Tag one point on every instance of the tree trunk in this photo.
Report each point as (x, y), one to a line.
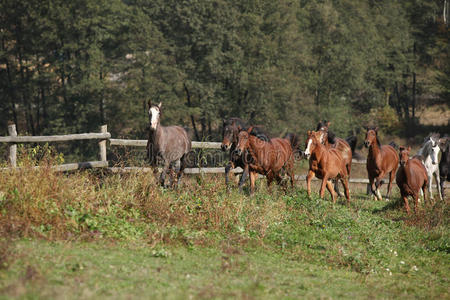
(188, 98)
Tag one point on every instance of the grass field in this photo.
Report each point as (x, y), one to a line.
(94, 235)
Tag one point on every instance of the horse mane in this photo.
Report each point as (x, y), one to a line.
(237, 121)
(394, 145)
(257, 131)
(321, 124)
(331, 137)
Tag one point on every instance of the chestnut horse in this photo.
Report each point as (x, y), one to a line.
(411, 177)
(267, 158)
(345, 147)
(381, 160)
(325, 163)
(230, 131)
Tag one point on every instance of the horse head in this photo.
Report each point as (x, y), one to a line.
(444, 143)
(323, 125)
(311, 142)
(434, 144)
(154, 114)
(431, 147)
(371, 136)
(243, 140)
(404, 154)
(230, 131)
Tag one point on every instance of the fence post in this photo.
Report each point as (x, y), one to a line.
(102, 143)
(13, 147)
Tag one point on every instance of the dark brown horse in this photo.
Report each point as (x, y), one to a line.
(444, 164)
(411, 177)
(381, 160)
(345, 147)
(168, 145)
(267, 157)
(325, 163)
(230, 131)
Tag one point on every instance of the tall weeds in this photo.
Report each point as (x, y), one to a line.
(89, 204)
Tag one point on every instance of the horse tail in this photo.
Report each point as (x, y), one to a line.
(393, 145)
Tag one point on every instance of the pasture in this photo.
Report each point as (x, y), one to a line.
(93, 234)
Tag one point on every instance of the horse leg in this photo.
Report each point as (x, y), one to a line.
(336, 188)
(442, 181)
(322, 187)
(181, 169)
(331, 190)
(292, 177)
(438, 183)
(227, 173)
(378, 189)
(422, 191)
(252, 181)
(346, 189)
(372, 187)
(243, 177)
(405, 199)
(162, 177)
(430, 184)
(308, 182)
(391, 179)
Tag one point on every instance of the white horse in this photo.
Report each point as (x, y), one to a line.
(429, 155)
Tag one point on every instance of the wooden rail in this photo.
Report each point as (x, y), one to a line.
(143, 143)
(104, 135)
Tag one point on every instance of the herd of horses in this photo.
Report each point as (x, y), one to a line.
(330, 158)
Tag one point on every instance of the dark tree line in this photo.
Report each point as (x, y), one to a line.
(70, 66)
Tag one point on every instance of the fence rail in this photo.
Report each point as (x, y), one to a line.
(13, 139)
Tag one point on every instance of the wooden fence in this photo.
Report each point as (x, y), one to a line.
(103, 136)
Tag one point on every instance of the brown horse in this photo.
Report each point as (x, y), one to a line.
(326, 164)
(381, 160)
(411, 177)
(230, 132)
(343, 146)
(267, 158)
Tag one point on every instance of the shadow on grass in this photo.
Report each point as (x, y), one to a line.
(392, 206)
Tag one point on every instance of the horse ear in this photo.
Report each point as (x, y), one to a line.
(249, 130)
(376, 129)
(328, 123)
(308, 133)
(149, 103)
(159, 105)
(409, 148)
(239, 127)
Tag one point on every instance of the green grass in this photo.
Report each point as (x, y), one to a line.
(90, 235)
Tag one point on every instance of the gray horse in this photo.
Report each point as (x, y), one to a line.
(168, 145)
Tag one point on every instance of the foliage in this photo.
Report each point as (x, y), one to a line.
(285, 64)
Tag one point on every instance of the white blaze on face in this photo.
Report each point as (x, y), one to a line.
(434, 151)
(154, 112)
(308, 148)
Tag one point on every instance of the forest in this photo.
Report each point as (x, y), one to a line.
(71, 66)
